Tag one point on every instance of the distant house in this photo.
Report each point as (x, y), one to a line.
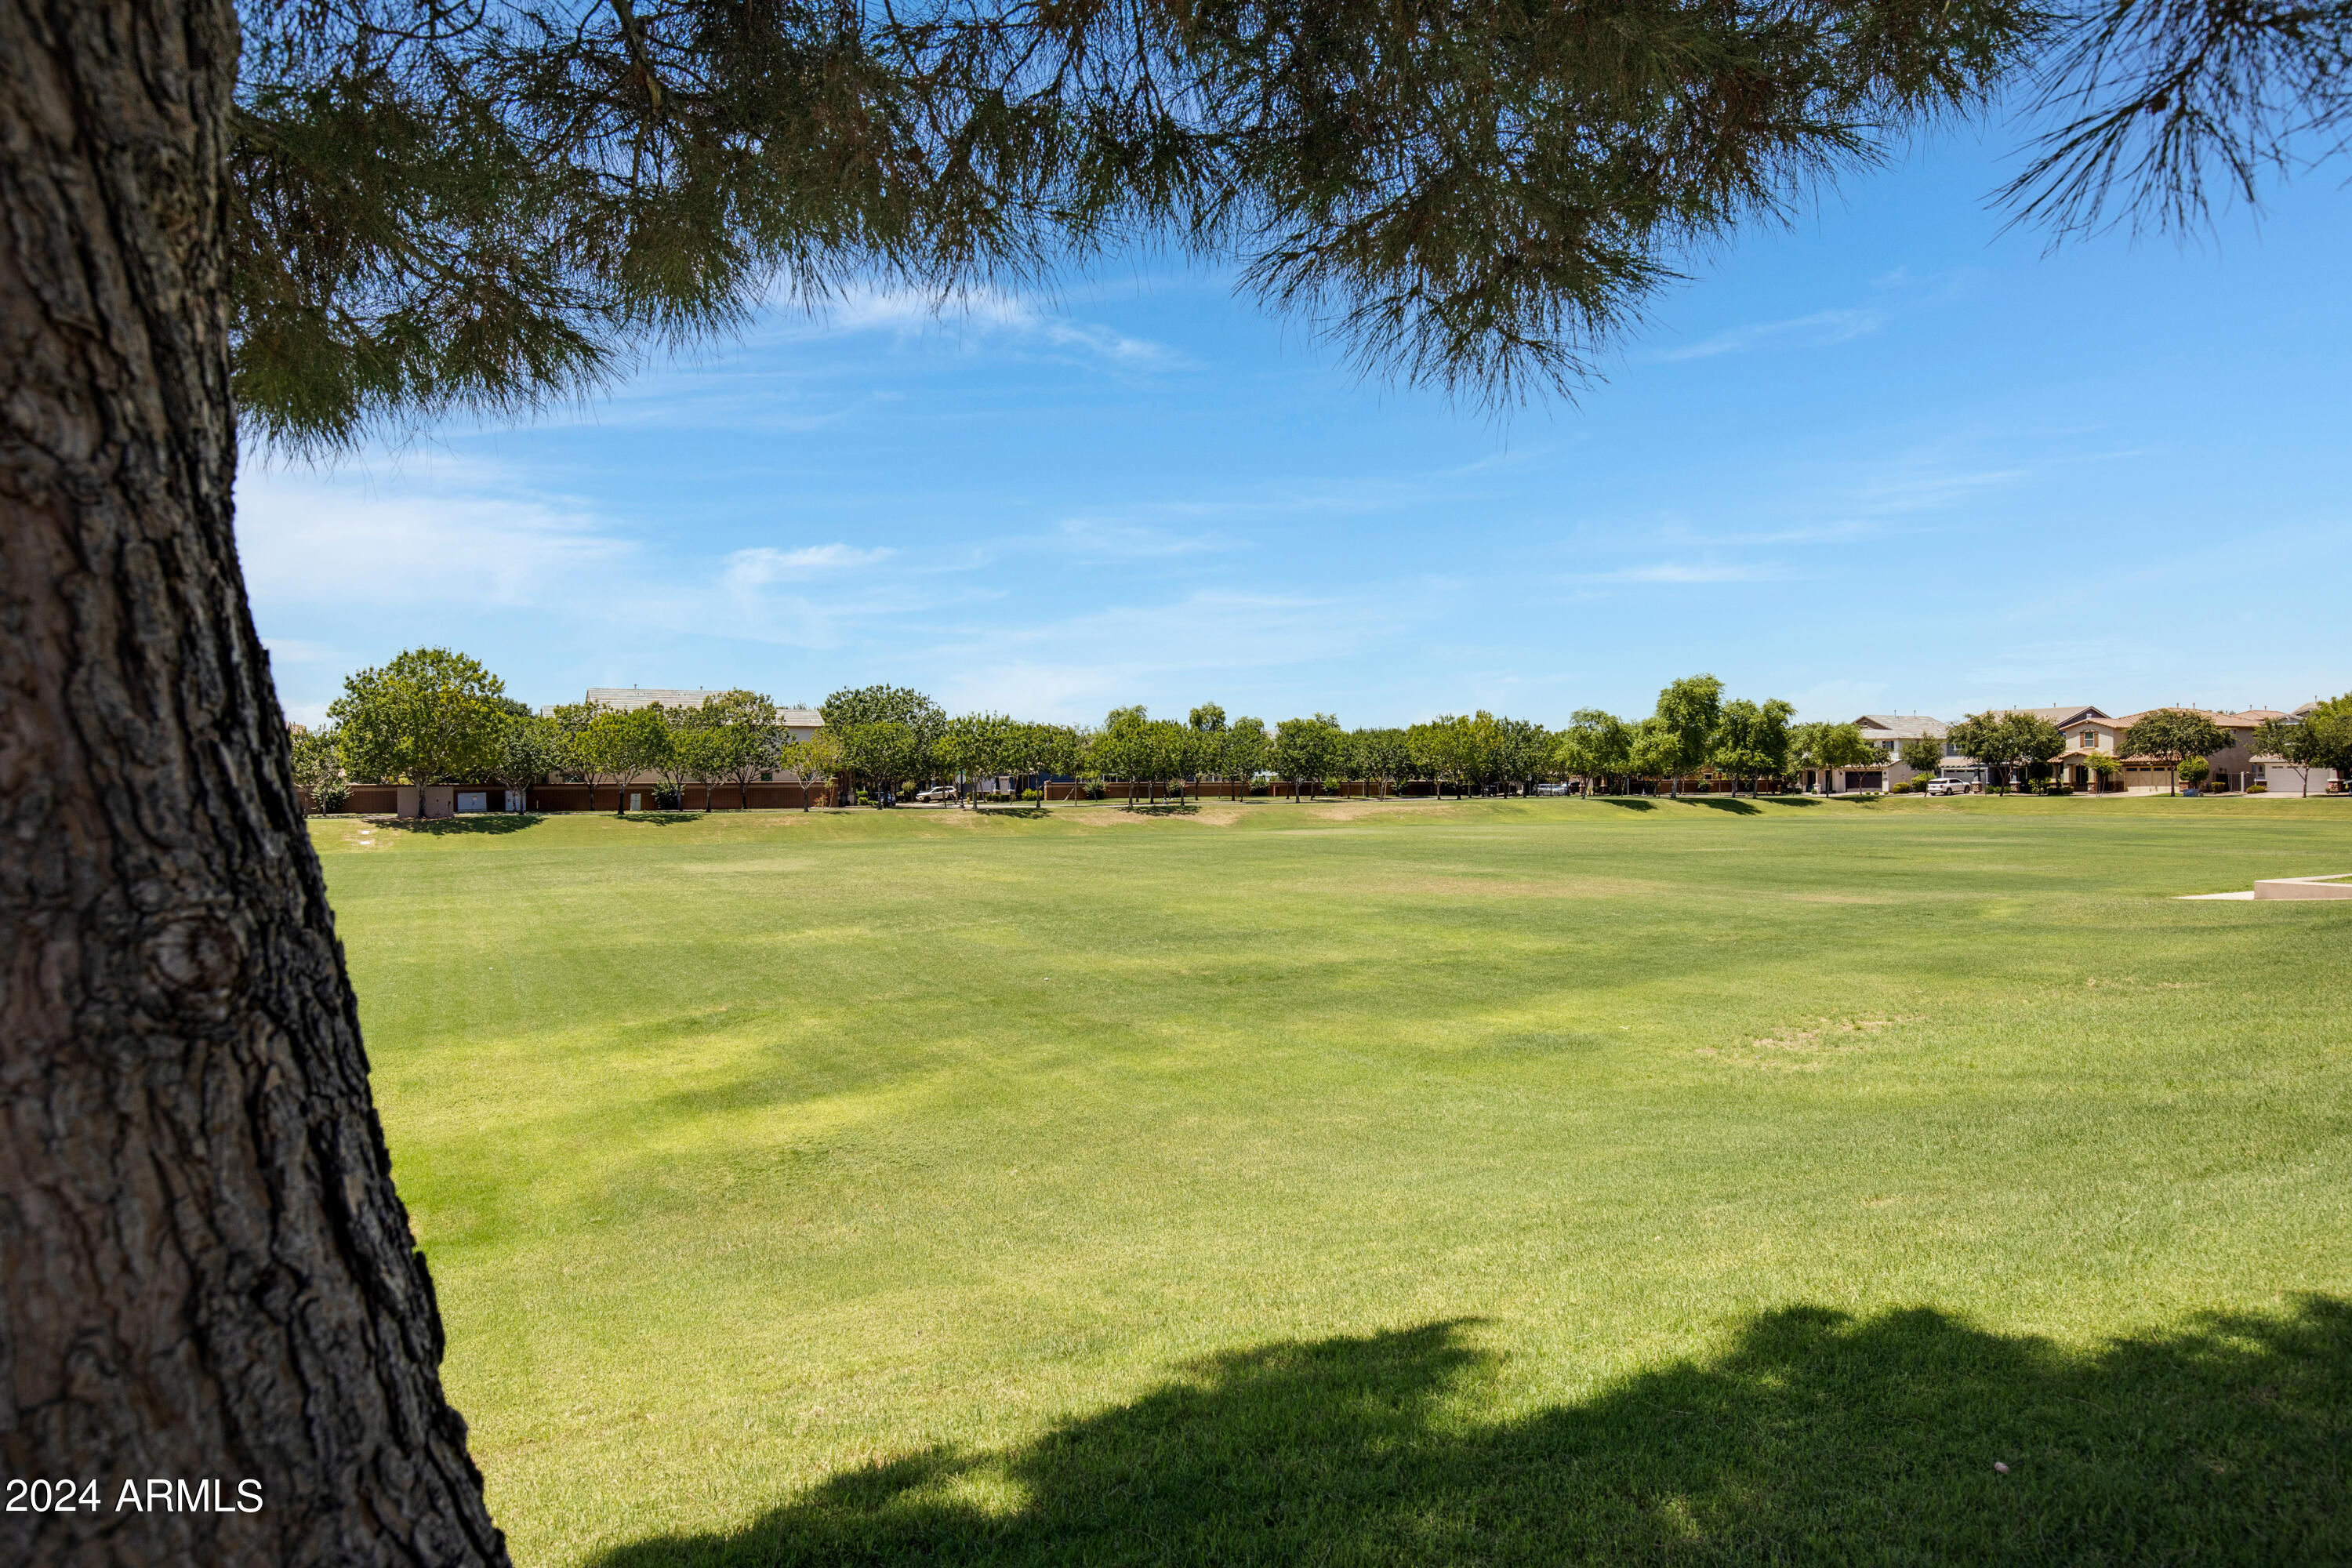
(1970, 770)
(1888, 734)
(799, 722)
(2279, 776)
(783, 787)
(2234, 767)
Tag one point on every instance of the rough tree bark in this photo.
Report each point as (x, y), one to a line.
(204, 1273)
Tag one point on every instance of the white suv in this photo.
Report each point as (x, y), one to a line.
(1949, 786)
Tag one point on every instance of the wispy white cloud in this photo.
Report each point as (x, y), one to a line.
(1074, 667)
(985, 313)
(1843, 532)
(443, 534)
(1819, 330)
(1683, 573)
(762, 565)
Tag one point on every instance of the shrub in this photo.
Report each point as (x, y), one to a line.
(1028, 794)
(2193, 769)
(2258, 789)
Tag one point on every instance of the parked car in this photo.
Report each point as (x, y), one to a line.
(1553, 789)
(933, 796)
(1950, 786)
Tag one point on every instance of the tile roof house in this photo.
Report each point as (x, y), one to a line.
(802, 722)
(2234, 765)
(2283, 777)
(1890, 732)
(785, 787)
(1973, 770)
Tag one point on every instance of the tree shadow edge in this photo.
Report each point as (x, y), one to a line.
(1811, 1436)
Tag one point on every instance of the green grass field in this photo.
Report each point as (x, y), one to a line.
(1499, 1183)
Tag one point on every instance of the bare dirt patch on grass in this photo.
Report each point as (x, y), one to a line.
(1506, 888)
(1804, 1050)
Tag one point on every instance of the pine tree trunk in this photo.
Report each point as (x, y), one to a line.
(204, 1273)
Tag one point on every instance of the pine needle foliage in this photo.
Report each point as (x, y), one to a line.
(477, 206)
(2170, 107)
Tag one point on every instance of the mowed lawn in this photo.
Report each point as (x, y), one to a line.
(1517, 1181)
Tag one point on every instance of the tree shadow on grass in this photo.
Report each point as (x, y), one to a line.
(1629, 802)
(1019, 811)
(1732, 803)
(1815, 1437)
(662, 818)
(471, 823)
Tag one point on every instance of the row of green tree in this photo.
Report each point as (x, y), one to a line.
(432, 715)
(2020, 745)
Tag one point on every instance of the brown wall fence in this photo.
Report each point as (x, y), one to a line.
(384, 799)
(372, 800)
(1210, 789)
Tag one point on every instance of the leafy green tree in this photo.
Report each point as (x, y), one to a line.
(923, 718)
(1382, 756)
(1827, 747)
(318, 769)
(680, 757)
(1690, 709)
(975, 746)
(2006, 742)
(1454, 746)
(2170, 735)
(1520, 751)
(881, 754)
(1116, 750)
(2318, 738)
(2194, 770)
(1751, 739)
(1595, 746)
(624, 744)
(738, 738)
(817, 759)
(1923, 754)
(2031, 741)
(1046, 750)
(698, 753)
(1245, 752)
(2104, 766)
(574, 717)
(529, 748)
(1163, 750)
(1656, 751)
(1198, 753)
(1204, 753)
(428, 715)
(1979, 735)
(2330, 726)
(1303, 751)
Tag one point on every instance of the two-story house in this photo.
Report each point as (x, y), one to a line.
(2279, 777)
(1971, 770)
(1888, 734)
(2094, 735)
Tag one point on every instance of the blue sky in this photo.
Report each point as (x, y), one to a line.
(1889, 459)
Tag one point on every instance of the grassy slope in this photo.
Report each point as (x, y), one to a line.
(1414, 1183)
